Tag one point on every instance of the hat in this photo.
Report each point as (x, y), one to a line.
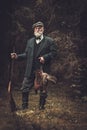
(38, 24)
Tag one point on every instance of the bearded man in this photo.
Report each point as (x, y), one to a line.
(40, 50)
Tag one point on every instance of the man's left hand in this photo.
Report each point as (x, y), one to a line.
(42, 60)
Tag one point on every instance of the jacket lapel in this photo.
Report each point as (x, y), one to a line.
(32, 46)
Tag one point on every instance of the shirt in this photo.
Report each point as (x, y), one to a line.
(38, 40)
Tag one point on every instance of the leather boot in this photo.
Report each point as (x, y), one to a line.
(25, 96)
(42, 100)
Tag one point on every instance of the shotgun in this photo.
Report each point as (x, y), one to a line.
(11, 99)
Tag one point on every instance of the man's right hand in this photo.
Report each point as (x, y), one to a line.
(14, 56)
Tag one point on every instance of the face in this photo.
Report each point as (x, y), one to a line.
(38, 31)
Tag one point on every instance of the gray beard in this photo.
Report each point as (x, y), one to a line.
(37, 35)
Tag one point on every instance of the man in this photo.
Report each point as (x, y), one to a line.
(40, 50)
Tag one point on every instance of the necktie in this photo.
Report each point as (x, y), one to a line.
(38, 38)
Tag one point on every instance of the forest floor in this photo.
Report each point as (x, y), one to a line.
(62, 112)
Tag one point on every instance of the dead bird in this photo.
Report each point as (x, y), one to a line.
(42, 78)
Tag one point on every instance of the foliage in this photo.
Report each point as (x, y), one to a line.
(63, 22)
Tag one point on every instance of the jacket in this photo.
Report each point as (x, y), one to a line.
(47, 49)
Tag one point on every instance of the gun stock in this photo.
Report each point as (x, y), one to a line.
(11, 99)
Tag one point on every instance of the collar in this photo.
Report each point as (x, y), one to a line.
(41, 37)
(38, 40)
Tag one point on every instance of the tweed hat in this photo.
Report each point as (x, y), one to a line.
(38, 24)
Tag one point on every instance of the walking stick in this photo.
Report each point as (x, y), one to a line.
(11, 99)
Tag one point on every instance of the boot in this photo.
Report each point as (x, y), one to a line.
(25, 100)
(42, 101)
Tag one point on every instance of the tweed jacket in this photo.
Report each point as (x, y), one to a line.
(47, 49)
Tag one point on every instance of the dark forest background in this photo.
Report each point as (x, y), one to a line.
(65, 22)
